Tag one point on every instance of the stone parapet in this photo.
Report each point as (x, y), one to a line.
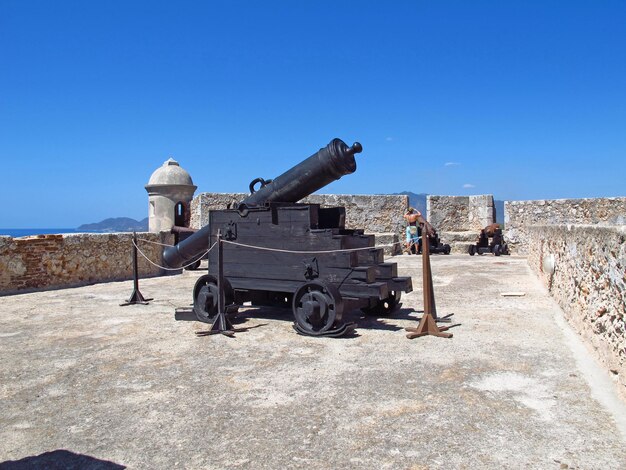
(372, 213)
(583, 267)
(460, 213)
(389, 242)
(519, 215)
(205, 202)
(459, 241)
(68, 260)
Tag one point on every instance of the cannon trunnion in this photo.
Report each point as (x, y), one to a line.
(299, 256)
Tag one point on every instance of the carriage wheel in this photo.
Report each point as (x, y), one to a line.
(317, 307)
(496, 250)
(384, 307)
(205, 297)
(471, 250)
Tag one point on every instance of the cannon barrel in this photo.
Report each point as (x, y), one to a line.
(320, 169)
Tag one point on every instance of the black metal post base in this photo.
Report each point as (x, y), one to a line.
(221, 325)
(136, 298)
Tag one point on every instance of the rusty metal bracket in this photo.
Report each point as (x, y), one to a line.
(311, 269)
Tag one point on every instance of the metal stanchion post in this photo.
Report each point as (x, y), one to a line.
(221, 324)
(428, 322)
(135, 297)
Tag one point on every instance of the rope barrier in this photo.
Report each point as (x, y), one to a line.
(172, 269)
(150, 241)
(279, 250)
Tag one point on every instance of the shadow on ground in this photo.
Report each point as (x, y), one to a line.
(60, 459)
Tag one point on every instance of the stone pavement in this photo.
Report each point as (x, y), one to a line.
(103, 386)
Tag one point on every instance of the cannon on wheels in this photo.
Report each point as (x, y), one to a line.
(435, 245)
(281, 253)
(490, 240)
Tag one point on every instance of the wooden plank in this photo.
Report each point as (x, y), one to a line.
(400, 284)
(356, 241)
(386, 270)
(264, 284)
(370, 257)
(378, 290)
(297, 272)
(240, 254)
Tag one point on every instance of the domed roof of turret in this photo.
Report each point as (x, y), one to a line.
(170, 173)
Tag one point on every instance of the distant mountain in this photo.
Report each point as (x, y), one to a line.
(116, 224)
(419, 202)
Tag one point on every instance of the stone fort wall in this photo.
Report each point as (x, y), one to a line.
(584, 269)
(459, 219)
(69, 260)
(520, 215)
(381, 215)
(461, 213)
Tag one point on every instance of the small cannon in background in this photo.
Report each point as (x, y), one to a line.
(497, 245)
(435, 244)
(280, 253)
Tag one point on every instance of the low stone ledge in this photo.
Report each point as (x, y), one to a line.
(459, 241)
(390, 243)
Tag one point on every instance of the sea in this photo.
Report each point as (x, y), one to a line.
(25, 232)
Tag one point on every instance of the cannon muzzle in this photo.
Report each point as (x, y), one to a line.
(327, 165)
(320, 169)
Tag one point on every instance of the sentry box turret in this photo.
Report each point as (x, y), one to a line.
(277, 252)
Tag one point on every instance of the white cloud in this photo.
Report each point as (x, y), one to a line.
(468, 186)
(452, 164)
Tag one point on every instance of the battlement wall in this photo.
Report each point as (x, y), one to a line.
(461, 213)
(584, 269)
(376, 214)
(520, 215)
(459, 219)
(69, 260)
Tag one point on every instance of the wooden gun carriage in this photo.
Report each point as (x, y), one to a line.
(278, 252)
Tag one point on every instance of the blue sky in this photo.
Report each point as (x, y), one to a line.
(522, 100)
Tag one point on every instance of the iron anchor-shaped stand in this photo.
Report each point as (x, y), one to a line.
(428, 322)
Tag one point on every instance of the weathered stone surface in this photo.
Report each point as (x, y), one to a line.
(459, 241)
(373, 213)
(205, 202)
(519, 215)
(169, 186)
(460, 213)
(389, 242)
(584, 268)
(135, 387)
(53, 261)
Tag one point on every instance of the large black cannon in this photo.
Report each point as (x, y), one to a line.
(277, 252)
